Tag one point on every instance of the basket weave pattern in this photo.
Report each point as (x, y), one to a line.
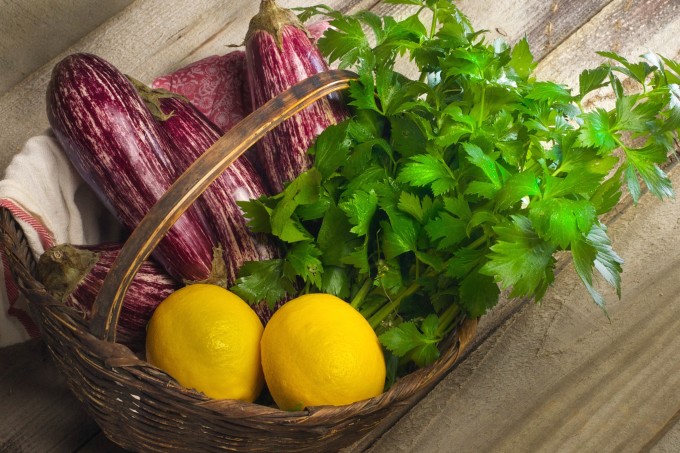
(141, 408)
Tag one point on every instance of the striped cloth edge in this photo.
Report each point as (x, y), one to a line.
(47, 240)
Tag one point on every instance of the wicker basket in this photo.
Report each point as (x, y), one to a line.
(140, 407)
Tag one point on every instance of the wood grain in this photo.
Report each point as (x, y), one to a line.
(630, 28)
(39, 413)
(555, 377)
(560, 376)
(545, 23)
(34, 32)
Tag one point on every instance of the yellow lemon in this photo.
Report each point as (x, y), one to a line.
(318, 350)
(208, 339)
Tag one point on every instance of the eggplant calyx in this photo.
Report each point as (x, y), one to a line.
(152, 98)
(62, 267)
(273, 19)
(218, 274)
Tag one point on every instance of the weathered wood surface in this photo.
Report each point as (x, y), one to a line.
(39, 413)
(560, 376)
(555, 377)
(34, 32)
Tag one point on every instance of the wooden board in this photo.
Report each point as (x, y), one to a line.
(39, 413)
(555, 377)
(561, 376)
(51, 29)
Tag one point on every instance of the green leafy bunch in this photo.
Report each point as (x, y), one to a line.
(441, 191)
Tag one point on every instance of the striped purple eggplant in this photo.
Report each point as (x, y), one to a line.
(74, 275)
(115, 144)
(191, 134)
(280, 53)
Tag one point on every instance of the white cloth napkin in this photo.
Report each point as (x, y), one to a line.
(52, 205)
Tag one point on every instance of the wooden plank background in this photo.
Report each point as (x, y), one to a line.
(554, 377)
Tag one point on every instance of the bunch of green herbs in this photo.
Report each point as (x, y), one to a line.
(438, 193)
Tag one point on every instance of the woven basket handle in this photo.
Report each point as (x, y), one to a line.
(193, 182)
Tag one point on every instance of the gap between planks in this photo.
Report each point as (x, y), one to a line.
(479, 20)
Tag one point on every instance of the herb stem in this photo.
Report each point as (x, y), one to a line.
(361, 294)
(481, 107)
(478, 242)
(580, 105)
(446, 320)
(433, 30)
(620, 143)
(392, 305)
(367, 312)
(433, 27)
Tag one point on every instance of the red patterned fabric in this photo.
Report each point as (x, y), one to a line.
(215, 85)
(11, 288)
